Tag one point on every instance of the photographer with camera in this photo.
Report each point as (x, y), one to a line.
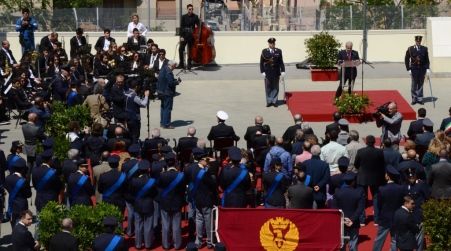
(26, 25)
(166, 91)
(388, 117)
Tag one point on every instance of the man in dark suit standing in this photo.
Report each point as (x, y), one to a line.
(345, 56)
(187, 24)
(290, 133)
(390, 198)
(300, 194)
(76, 43)
(272, 67)
(319, 173)
(32, 135)
(22, 239)
(369, 162)
(417, 64)
(64, 240)
(6, 55)
(427, 135)
(135, 42)
(166, 90)
(440, 177)
(416, 126)
(221, 130)
(160, 62)
(404, 226)
(103, 42)
(252, 130)
(351, 200)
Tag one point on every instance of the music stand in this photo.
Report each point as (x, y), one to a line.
(368, 63)
(348, 64)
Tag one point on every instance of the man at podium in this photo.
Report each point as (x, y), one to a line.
(346, 59)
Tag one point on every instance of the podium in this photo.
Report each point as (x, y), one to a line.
(348, 64)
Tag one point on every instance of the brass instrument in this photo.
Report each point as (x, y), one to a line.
(112, 63)
(7, 69)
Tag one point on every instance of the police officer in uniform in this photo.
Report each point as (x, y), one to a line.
(234, 196)
(351, 200)
(144, 191)
(46, 181)
(276, 184)
(108, 240)
(79, 187)
(272, 67)
(187, 24)
(130, 168)
(171, 199)
(417, 64)
(18, 191)
(112, 184)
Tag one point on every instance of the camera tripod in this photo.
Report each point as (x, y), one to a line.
(185, 69)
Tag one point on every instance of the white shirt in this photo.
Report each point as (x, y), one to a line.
(160, 64)
(142, 29)
(106, 45)
(152, 59)
(331, 153)
(9, 56)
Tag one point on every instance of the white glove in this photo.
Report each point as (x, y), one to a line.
(264, 74)
(283, 74)
(428, 72)
(410, 72)
(106, 81)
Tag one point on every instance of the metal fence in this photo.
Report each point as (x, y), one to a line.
(241, 16)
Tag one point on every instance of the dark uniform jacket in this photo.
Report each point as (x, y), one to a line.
(187, 25)
(63, 241)
(50, 190)
(174, 199)
(22, 239)
(106, 181)
(143, 205)
(405, 229)
(411, 164)
(250, 134)
(390, 198)
(370, 163)
(206, 195)
(272, 63)
(335, 182)
(300, 196)
(221, 130)
(423, 139)
(420, 192)
(20, 203)
(59, 88)
(127, 166)
(417, 60)
(351, 201)
(277, 198)
(415, 127)
(83, 197)
(319, 176)
(237, 197)
(102, 241)
(186, 143)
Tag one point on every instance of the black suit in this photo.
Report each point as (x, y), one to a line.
(59, 88)
(352, 201)
(423, 139)
(156, 65)
(22, 239)
(250, 134)
(350, 72)
(390, 198)
(300, 196)
(75, 46)
(4, 57)
(135, 46)
(186, 143)
(221, 130)
(46, 44)
(444, 123)
(370, 163)
(440, 180)
(101, 41)
(405, 228)
(415, 127)
(187, 25)
(290, 133)
(63, 241)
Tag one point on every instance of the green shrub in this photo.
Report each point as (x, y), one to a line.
(322, 49)
(87, 221)
(352, 103)
(437, 224)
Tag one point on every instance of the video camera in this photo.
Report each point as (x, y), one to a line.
(382, 109)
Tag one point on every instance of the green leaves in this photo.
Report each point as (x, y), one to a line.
(322, 49)
(352, 103)
(437, 224)
(87, 221)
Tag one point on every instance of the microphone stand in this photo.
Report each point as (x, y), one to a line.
(368, 63)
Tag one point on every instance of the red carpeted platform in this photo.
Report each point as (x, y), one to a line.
(317, 106)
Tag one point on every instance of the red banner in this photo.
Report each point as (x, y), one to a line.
(279, 229)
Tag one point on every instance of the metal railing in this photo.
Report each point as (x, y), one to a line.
(242, 16)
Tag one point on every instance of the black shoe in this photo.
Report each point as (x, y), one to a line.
(275, 104)
(413, 102)
(179, 67)
(421, 102)
(268, 105)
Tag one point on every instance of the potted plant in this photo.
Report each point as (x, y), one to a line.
(437, 224)
(353, 106)
(322, 50)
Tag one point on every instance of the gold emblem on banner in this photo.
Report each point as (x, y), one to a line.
(279, 234)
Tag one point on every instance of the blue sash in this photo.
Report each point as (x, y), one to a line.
(172, 185)
(145, 188)
(12, 160)
(113, 243)
(234, 184)
(114, 187)
(49, 174)
(307, 180)
(275, 183)
(12, 196)
(193, 186)
(77, 187)
(132, 170)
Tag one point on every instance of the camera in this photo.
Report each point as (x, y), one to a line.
(382, 109)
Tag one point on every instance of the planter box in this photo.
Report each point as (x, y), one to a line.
(324, 74)
(358, 118)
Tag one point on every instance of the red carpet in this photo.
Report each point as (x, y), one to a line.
(317, 106)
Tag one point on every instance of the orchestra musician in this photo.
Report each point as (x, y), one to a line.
(187, 24)
(76, 43)
(135, 42)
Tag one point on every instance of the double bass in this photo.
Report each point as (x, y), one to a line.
(203, 49)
